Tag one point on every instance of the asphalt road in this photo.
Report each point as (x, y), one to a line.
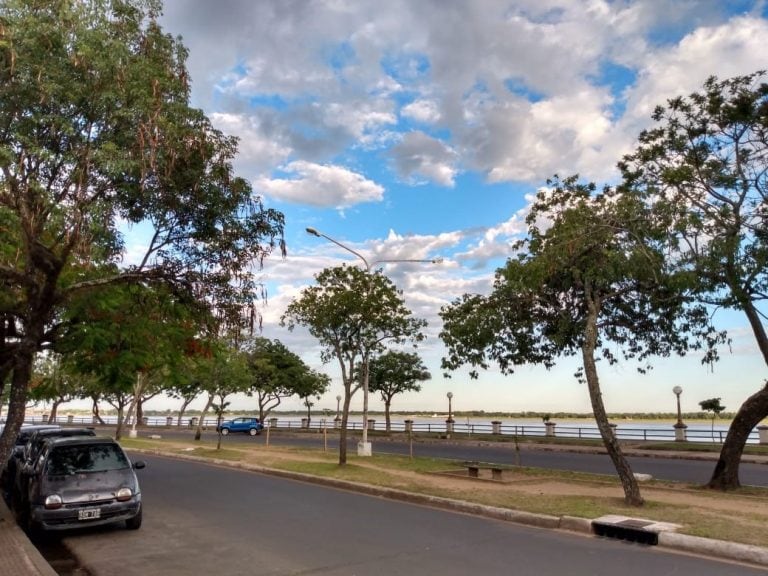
(205, 520)
(681, 470)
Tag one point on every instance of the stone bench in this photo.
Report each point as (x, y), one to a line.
(497, 470)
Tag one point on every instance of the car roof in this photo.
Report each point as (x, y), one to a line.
(79, 440)
(47, 433)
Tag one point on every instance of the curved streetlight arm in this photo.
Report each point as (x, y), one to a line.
(416, 260)
(319, 234)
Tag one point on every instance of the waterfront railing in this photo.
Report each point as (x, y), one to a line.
(657, 433)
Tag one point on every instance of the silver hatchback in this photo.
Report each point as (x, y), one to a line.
(82, 481)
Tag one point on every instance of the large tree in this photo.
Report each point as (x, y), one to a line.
(706, 164)
(96, 134)
(589, 280)
(353, 313)
(276, 373)
(396, 372)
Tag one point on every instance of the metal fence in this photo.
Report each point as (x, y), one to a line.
(587, 432)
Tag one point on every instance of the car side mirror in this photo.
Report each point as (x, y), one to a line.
(139, 464)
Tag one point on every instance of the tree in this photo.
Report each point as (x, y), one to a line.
(395, 373)
(353, 314)
(712, 405)
(131, 337)
(223, 373)
(312, 383)
(588, 280)
(706, 165)
(276, 373)
(53, 382)
(97, 135)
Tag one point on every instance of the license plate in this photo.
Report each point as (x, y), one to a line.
(89, 514)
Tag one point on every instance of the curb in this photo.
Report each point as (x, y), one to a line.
(19, 556)
(716, 549)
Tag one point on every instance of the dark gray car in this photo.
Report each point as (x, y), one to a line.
(82, 481)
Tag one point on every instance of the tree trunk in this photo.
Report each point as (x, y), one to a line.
(726, 473)
(183, 409)
(17, 403)
(95, 411)
(631, 487)
(54, 411)
(199, 429)
(387, 404)
(343, 431)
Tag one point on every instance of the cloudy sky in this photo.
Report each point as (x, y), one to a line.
(416, 129)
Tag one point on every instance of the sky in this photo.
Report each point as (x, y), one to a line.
(421, 129)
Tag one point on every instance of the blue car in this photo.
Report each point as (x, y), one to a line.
(248, 425)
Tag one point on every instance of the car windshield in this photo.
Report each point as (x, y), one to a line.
(66, 460)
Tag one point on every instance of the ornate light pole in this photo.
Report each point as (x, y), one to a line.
(338, 402)
(680, 435)
(449, 421)
(364, 447)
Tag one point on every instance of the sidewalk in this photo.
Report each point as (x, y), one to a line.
(18, 557)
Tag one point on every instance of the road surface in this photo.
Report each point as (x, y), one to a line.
(206, 520)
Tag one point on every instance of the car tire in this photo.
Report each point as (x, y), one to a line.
(224, 431)
(253, 431)
(135, 522)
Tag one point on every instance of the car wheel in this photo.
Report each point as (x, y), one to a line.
(135, 522)
(224, 431)
(253, 431)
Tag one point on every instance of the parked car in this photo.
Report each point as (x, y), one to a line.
(82, 481)
(9, 468)
(19, 487)
(248, 425)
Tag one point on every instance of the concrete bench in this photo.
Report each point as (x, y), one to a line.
(497, 470)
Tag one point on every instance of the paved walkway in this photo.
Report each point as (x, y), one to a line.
(18, 557)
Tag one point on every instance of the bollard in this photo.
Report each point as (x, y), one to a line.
(496, 424)
(371, 424)
(305, 422)
(193, 421)
(273, 422)
(409, 426)
(70, 418)
(169, 421)
(550, 428)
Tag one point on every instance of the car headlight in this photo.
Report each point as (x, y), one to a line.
(53, 502)
(124, 494)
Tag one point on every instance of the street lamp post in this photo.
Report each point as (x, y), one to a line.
(449, 421)
(680, 435)
(364, 447)
(338, 414)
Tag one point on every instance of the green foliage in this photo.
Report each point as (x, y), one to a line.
(713, 406)
(277, 373)
(353, 313)
(705, 166)
(584, 251)
(98, 135)
(396, 372)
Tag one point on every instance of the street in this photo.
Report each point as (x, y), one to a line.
(675, 469)
(202, 519)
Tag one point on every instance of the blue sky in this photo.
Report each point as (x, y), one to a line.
(421, 129)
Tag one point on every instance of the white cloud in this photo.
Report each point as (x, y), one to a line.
(421, 156)
(321, 185)
(261, 145)
(424, 111)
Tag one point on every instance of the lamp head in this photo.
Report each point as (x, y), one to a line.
(677, 390)
(313, 232)
(450, 395)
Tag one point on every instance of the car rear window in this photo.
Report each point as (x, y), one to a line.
(66, 460)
